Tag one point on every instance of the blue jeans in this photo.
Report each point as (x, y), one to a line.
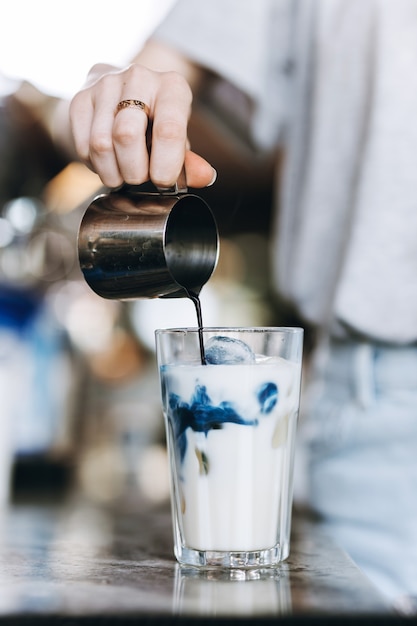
(361, 435)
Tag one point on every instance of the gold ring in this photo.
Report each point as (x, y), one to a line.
(133, 104)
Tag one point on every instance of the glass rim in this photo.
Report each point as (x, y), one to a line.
(231, 329)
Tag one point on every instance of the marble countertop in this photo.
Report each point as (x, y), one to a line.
(74, 562)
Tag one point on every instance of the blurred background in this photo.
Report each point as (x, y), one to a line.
(80, 404)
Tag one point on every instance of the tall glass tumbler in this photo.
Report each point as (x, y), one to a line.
(231, 398)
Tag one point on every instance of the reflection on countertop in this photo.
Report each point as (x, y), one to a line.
(77, 560)
(260, 592)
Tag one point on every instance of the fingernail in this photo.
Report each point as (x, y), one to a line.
(214, 178)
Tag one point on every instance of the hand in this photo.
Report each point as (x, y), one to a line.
(116, 144)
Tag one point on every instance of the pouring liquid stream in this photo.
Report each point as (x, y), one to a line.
(196, 300)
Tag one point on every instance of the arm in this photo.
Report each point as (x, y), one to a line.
(114, 144)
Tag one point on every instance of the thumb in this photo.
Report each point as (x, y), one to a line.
(199, 172)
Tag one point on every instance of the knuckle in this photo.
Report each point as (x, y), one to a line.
(107, 82)
(137, 75)
(100, 143)
(95, 72)
(124, 134)
(169, 130)
(177, 82)
(135, 70)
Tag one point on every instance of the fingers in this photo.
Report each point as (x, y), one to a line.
(114, 143)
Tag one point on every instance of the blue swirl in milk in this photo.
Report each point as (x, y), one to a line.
(267, 397)
(202, 416)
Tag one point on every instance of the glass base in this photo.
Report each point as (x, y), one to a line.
(230, 560)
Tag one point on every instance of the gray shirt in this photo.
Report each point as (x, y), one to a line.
(335, 83)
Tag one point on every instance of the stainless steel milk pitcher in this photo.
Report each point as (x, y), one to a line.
(136, 244)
